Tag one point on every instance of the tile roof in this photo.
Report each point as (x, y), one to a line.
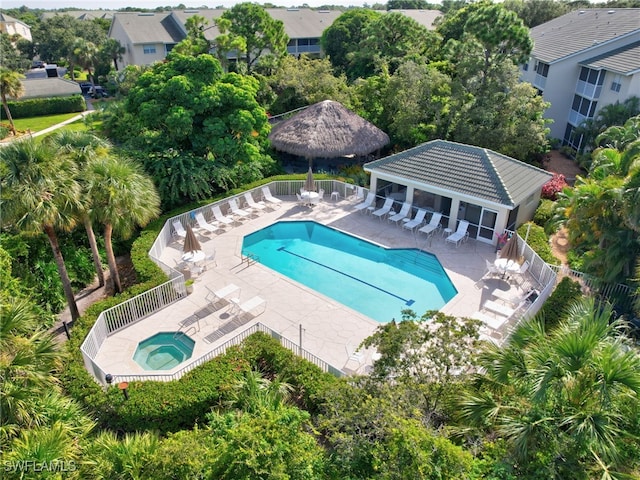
(148, 27)
(49, 87)
(425, 18)
(624, 60)
(582, 29)
(473, 171)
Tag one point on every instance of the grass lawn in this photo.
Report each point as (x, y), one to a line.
(35, 124)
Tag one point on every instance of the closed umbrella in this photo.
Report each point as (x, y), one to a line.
(510, 249)
(309, 183)
(191, 243)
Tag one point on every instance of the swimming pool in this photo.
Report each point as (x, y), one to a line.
(376, 281)
(164, 350)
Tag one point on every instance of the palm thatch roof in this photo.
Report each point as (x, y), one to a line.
(327, 130)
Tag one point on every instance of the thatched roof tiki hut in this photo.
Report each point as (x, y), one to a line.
(327, 130)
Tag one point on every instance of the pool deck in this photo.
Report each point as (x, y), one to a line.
(330, 330)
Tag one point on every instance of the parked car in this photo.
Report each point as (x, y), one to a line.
(86, 88)
(38, 64)
(99, 92)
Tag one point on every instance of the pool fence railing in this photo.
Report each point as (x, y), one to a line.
(154, 300)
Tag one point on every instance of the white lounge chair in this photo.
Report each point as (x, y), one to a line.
(386, 208)
(251, 308)
(257, 206)
(492, 322)
(460, 235)
(404, 212)
(217, 213)
(179, 229)
(499, 308)
(214, 297)
(266, 196)
(433, 225)
(204, 225)
(417, 219)
(236, 210)
(367, 202)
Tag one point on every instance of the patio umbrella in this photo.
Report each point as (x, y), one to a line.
(309, 183)
(510, 249)
(191, 243)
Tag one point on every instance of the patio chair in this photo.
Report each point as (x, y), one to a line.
(523, 269)
(367, 203)
(492, 270)
(433, 225)
(179, 229)
(417, 220)
(249, 309)
(266, 196)
(301, 201)
(402, 214)
(204, 225)
(236, 210)
(386, 208)
(214, 298)
(460, 235)
(257, 206)
(499, 308)
(217, 213)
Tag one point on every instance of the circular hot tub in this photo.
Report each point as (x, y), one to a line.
(164, 351)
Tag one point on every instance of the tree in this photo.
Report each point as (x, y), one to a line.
(261, 35)
(86, 54)
(29, 355)
(562, 399)
(197, 130)
(393, 38)
(537, 12)
(341, 40)
(195, 43)
(305, 81)
(123, 198)
(113, 50)
(10, 85)
(83, 146)
(39, 193)
(429, 354)
(12, 56)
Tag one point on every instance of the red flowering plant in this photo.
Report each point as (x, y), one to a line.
(554, 186)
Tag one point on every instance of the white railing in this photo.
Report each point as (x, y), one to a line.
(221, 349)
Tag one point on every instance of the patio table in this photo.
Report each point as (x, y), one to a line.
(506, 265)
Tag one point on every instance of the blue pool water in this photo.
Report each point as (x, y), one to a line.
(163, 351)
(376, 281)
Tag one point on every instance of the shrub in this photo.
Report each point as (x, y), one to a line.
(554, 186)
(38, 107)
(4, 130)
(544, 213)
(538, 241)
(565, 293)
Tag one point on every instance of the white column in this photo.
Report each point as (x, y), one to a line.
(453, 216)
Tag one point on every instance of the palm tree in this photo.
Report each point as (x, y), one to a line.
(254, 393)
(28, 356)
(10, 85)
(112, 48)
(561, 392)
(86, 54)
(83, 146)
(39, 193)
(123, 199)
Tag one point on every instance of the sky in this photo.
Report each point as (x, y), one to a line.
(151, 4)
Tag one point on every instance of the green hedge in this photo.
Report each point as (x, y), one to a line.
(538, 241)
(38, 107)
(565, 293)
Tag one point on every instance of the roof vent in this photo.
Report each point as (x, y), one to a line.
(324, 11)
(293, 9)
(611, 12)
(580, 12)
(145, 14)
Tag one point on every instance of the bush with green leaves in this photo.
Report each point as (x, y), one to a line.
(538, 240)
(543, 215)
(37, 107)
(555, 308)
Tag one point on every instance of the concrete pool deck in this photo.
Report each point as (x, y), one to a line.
(330, 330)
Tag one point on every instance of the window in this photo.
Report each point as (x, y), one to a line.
(542, 69)
(148, 49)
(525, 67)
(616, 84)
